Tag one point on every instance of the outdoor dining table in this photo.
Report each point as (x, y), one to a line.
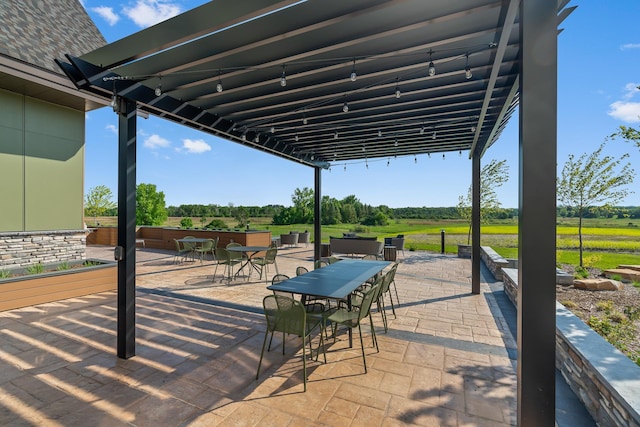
(250, 252)
(335, 281)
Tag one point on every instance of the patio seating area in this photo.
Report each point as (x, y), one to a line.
(448, 358)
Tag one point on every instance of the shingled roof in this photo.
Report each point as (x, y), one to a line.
(38, 32)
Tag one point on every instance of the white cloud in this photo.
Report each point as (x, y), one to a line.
(156, 141)
(149, 12)
(631, 90)
(195, 146)
(112, 128)
(626, 111)
(107, 14)
(630, 46)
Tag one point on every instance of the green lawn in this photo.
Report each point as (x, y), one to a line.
(607, 242)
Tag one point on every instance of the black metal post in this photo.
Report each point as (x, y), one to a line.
(317, 213)
(475, 224)
(537, 213)
(442, 241)
(126, 228)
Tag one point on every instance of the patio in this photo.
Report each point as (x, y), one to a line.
(448, 359)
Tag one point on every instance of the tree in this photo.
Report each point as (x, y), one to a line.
(492, 177)
(98, 201)
(590, 180)
(150, 205)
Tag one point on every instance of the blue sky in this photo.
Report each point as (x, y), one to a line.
(598, 75)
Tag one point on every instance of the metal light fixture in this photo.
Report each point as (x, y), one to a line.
(283, 77)
(353, 75)
(219, 87)
(345, 107)
(398, 93)
(467, 70)
(432, 67)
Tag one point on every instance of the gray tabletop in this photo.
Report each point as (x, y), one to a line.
(334, 281)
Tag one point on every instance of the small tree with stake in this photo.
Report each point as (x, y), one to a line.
(590, 180)
(492, 176)
(97, 201)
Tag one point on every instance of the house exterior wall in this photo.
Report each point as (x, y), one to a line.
(41, 165)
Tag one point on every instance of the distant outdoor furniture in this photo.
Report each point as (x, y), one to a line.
(290, 239)
(246, 253)
(355, 246)
(325, 250)
(304, 238)
(390, 253)
(275, 242)
(141, 241)
(223, 257)
(398, 242)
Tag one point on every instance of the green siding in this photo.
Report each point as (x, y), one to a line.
(11, 161)
(46, 184)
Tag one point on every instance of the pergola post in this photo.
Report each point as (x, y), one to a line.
(317, 212)
(126, 228)
(537, 213)
(475, 223)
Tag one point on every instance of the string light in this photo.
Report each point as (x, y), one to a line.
(345, 107)
(353, 75)
(415, 159)
(388, 162)
(467, 69)
(422, 130)
(283, 77)
(257, 138)
(273, 129)
(398, 93)
(432, 67)
(158, 90)
(442, 156)
(296, 137)
(304, 119)
(434, 135)
(219, 87)
(345, 167)
(379, 133)
(395, 142)
(335, 135)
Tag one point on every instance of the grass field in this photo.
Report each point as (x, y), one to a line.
(607, 242)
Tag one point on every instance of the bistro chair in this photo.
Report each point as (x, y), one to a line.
(181, 252)
(222, 257)
(287, 315)
(301, 270)
(265, 261)
(352, 317)
(206, 247)
(320, 263)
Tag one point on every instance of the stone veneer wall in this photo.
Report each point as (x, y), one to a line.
(493, 260)
(606, 381)
(33, 247)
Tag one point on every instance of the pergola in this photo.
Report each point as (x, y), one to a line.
(325, 81)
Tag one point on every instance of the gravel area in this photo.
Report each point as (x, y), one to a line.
(584, 303)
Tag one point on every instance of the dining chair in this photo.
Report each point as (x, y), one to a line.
(300, 270)
(287, 315)
(190, 247)
(351, 317)
(265, 261)
(181, 252)
(320, 263)
(205, 248)
(223, 257)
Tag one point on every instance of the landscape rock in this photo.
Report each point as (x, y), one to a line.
(623, 273)
(630, 267)
(598, 284)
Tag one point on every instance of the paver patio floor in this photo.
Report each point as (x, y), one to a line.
(447, 360)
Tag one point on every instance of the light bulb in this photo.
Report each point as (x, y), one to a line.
(398, 93)
(345, 108)
(467, 73)
(219, 87)
(432, 69)
(353, 76)
(273, 129)
(434, 135)
(158, 90)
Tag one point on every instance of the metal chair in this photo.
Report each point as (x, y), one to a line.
(265, 261)
(286, 315)
(352, 317)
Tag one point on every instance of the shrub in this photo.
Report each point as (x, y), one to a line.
(217, 223)
(4, 274)
(581, 273)
(186, 223)
(606, 306)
